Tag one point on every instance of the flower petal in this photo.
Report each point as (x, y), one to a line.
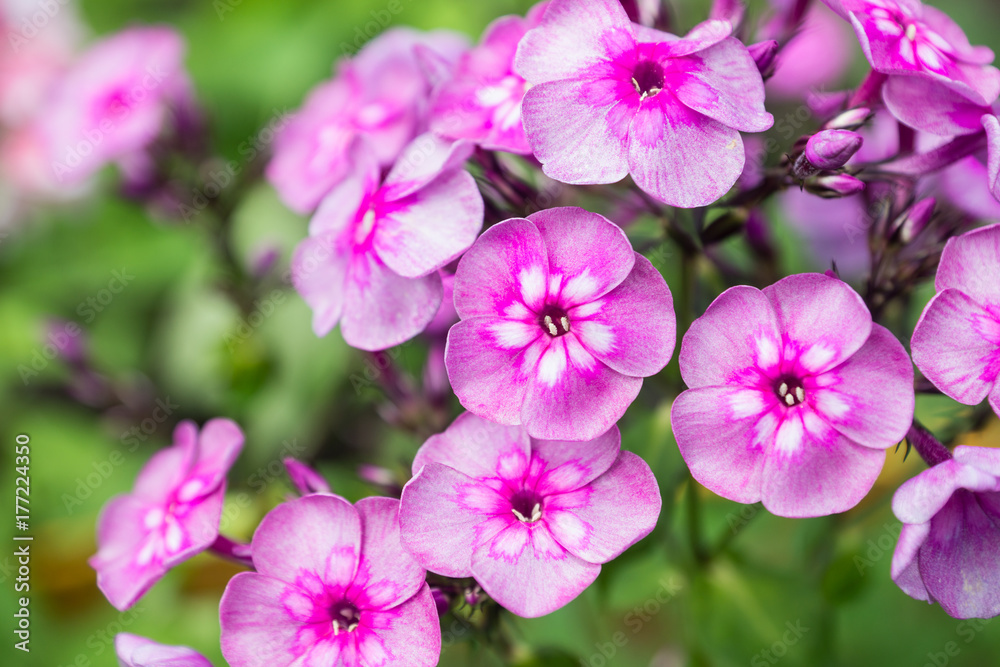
(382, 308)
(408, 635)
(167, 469)
(905, 570)
(950, 349)
(573, 396)
(318, 534)
(424, 160)
(869, 398)
(578, 129)
(431, 227)
(969, 263)
(918, 499)
(340, 209)
(440, 515)
(387, 574)
(505, 271)
(219, 443)
(680, 156)
(570, 465)
(319, 272)
(478, 448)
(526, 571)
(490, 373)
(259, 629)
(588, 254)
(574, 36)
(986, 459)
(634, 331)
(824, 320)
(736, 339)
(812, 470)
(931, 106)
(958, 562)
(120, 534)
(723, 83)
(723, 433)
(621, 508)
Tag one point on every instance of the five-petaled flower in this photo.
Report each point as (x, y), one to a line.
(372, 258)
(794, 394)
(947, 550)
(937, 82)
(611, 98)
(531, 520)
(561, 320)
(171, 514)
(333, 586)
(956, 343)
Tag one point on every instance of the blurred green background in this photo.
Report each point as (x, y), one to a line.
(806, 592)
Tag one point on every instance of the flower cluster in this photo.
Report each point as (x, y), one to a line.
(422, 164)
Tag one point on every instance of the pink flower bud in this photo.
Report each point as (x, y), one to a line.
(834, 186)
(831, 149)
(765, 55)
(911, 223)
(851, 119)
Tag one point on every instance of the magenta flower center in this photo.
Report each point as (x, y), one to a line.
(554, 321)
(344, 617)
(790, 390)
(648, 78)
(526, 506)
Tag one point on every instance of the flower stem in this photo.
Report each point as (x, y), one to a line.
(930, 448)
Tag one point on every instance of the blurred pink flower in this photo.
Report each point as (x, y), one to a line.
(171, 514)
(115, 101)
(816, 58)
(380, 94)
(481, 101)
(136, 651)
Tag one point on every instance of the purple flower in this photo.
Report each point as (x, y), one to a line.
(114, 101)
(947, 550)
(561, 320)
(956, 343)
(333, 586)
(136, 651)
(481, 101)
(373, 253)
(531, 520)
(611, 98)
(171, 514)
(831, 149)
(937, 81)
(380, 94)
(816, 57)
(794, 395)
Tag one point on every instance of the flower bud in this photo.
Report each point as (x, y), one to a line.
(305, 479)
(441, 601)
(851, 119)
(831, 149)
(765, 55)
(833, 186)
(913, 221)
